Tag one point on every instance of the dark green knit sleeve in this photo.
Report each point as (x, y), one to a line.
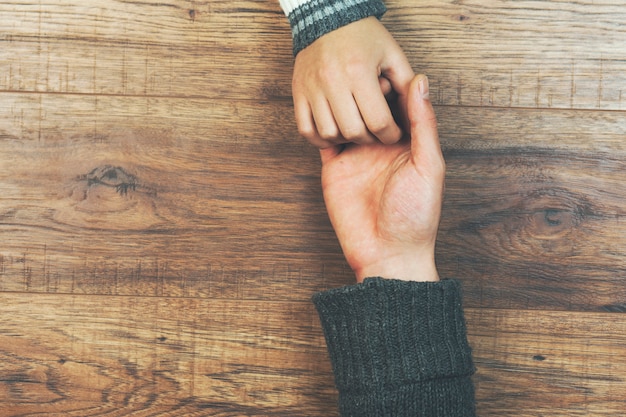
(398, 348)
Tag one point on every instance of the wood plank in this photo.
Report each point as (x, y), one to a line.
(531, 219)
(85, 355)
(121, 211)
(477, 53)
(171, 48)
(534, 208)
(509, 53)
(477, 128)
(548, 363)
(78, 355)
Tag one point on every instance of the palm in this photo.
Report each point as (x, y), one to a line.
(380, 201)
(384, 201)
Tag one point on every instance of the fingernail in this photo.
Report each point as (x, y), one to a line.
(423, 87)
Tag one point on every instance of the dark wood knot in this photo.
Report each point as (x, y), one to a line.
(553, 213)
(110, 176)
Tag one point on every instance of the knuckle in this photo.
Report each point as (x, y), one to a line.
(433, 122)
(354, 133)
(379, 125)
(350, 68)
(439, 167)
(328, 133)
(307, 131)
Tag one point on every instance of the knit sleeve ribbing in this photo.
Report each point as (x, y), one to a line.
(310, 19)
(398, 348)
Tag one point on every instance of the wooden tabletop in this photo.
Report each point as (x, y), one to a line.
(162, 227)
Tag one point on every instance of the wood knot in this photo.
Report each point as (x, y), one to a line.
(114, 177)
(543, 224)
(109, 197)
(548, 222)
(553, 214)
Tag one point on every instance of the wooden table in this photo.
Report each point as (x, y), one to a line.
(162, 228)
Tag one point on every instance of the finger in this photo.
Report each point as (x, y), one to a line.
(323, 144)
(307, 128)
(376, 112)
(307, 124)
(304, 118)
(349, 120)
(425, 146)
(398, 71)
(385, 86)
(325, 123)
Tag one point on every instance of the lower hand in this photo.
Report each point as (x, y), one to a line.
(384, 201)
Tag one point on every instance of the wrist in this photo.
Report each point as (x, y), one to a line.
(406, 267)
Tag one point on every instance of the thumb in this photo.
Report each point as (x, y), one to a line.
(425, 147)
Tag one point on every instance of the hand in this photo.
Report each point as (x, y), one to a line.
(384, 201)
(340, 82)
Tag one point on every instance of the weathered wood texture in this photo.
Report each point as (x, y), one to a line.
(162, 228)
(548, 363)
(69, 355)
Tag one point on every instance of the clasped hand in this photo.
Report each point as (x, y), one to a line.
(342, 83)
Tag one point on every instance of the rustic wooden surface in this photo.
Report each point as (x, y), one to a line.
(162, 229)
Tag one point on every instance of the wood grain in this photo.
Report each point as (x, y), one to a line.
(155, 188)
(163, 356)
(161, 183)
(548, 363)
(487, 53)
(162, 228)
(536, 222)
(564, 54)
(75, 355)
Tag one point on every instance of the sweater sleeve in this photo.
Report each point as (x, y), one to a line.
(310, 19)
(398, 348)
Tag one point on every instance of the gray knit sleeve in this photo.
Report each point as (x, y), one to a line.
(310, 19)
(398, 348)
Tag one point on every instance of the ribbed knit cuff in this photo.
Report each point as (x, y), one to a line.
(315, 18)
(399, 348)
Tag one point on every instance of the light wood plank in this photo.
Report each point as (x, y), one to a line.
(534, 209)
(548, 363)
(78, 355)
(509, 53)
(528, 214)
(478, 53)
(114, 356)
(172, 48)
(168, 179)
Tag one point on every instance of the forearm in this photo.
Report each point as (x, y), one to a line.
(399, 349)
(311, 19)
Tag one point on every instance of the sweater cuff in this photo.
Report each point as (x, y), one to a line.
(311, 19)
(399, 345)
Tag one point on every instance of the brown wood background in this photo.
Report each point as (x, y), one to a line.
(162, 228)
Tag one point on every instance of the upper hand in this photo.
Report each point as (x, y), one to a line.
(384, 201)
(342, 83)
